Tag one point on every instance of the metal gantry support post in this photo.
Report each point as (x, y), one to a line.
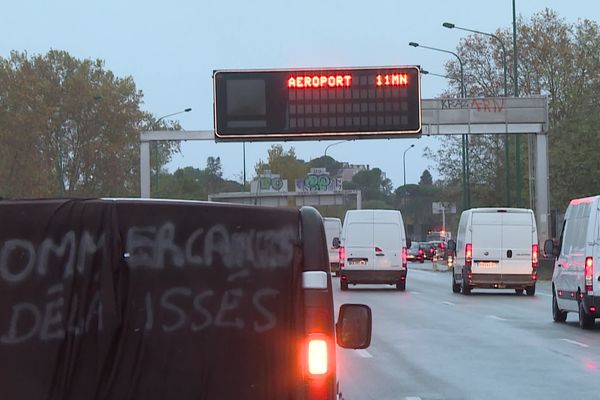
(542, 186)
(144, 169)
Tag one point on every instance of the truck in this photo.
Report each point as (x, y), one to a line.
(151, 299)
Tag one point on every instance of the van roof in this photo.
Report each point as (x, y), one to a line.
(501, 209)
(582, 200)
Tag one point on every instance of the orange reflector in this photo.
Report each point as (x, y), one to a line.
(317, 356)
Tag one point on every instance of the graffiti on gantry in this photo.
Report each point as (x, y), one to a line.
(481, 105)
(270, 183)
(318, 180)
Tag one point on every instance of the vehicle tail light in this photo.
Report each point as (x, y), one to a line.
(342, 254)
(421, 252)
(589, 272)
(592, 309)
(442, 246)
(534, 255)
(468, 254)
(317, 356)
(404, 260)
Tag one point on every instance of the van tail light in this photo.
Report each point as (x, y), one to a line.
(317, 356)
(421, 252)
(342, 254)
(404, 258)
(534, 255)
(589, 272)
(468, 254)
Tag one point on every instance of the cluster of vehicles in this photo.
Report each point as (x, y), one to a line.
(496, 248)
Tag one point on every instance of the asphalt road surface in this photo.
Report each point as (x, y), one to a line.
(429, 343)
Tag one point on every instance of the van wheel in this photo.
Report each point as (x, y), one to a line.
(401, 286)
(530, 290)
(519, 292)
(455, 286)
(464, 286)
(558, 315)
(343, 285)
(586, 321)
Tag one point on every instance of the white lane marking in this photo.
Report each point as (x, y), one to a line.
(364, 353)
(412, 398)
(497, 318)
(415, 292)
(575, 342)
(448, 303)
(544, 294)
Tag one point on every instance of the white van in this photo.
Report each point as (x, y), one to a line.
(333, 229)
(575, 283)
(373, 248)
(496, 248)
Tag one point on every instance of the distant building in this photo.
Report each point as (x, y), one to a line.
(349, 170)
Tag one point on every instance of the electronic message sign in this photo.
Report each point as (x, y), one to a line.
(324, 103)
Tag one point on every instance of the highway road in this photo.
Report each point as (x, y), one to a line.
(429, 343)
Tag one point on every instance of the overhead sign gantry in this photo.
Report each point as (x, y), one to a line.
(324, 103)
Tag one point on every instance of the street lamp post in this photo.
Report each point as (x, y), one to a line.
(425, 72)
(333, 144)
(465, 138)
(404, 162)
(450, 25)
(156, 143)
(516, 80)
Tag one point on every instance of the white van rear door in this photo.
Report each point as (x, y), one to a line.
(486, 237)
(358, 243)
(517, 237)
(388, 246)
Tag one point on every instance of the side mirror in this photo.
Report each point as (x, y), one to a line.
(353, 329)
(408, 243)
(336, 243)
(451, 245)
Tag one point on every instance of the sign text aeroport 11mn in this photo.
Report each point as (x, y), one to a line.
(324, 103)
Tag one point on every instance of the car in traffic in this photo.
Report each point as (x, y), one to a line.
(576, 277)
(373, 249)
(415, 253)
(496, 248)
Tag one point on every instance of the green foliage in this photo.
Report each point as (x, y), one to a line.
(326, 162)
(426, 178)
(196, 184)
(68, 127)
(371, 183)
(284, 163)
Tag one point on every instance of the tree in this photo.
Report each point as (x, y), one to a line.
(556, 58)
(68, 127)
(284, 163)
(331, 165)
(426, 178)
(371, 183)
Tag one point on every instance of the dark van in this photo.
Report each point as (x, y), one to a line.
(145, 299)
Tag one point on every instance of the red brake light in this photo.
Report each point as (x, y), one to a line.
(317, 356)
(404, 258)
(589, 272)
(421, 251)
(534, 255)
(468, 254)
(342, 255)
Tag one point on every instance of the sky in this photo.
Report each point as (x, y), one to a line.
(171, 49)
